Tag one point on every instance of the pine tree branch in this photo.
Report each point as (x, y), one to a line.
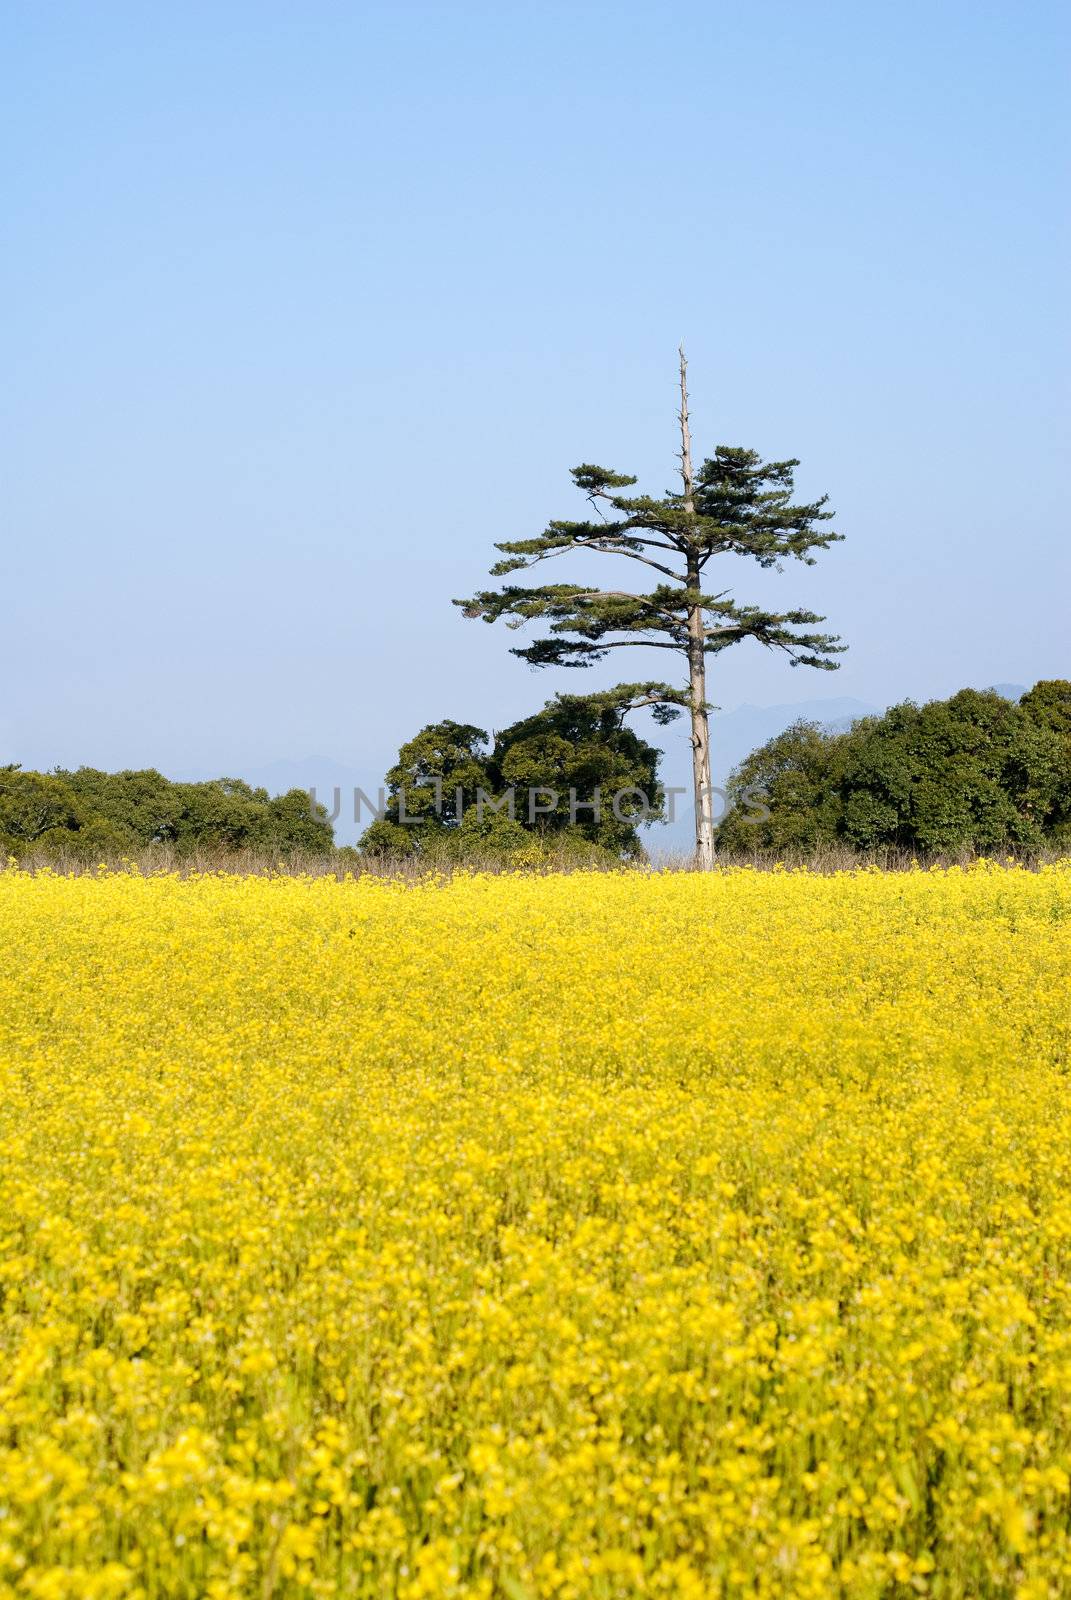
(604, 546)
(581, 652)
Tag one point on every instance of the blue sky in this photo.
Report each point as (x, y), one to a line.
(308, 305)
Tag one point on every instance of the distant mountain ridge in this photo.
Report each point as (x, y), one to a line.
(734, 734)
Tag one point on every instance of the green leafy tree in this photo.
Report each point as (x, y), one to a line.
(971, 772)
(140, 807)
(785, 796)
(1048, 704)
(578, 748)
(89, 814)
(436, 777)
(35, 807)
(736, 504)
(974, 772)
(288, 823)
(571, 774)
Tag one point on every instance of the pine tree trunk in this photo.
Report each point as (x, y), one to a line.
(697, 683)
(697, 663)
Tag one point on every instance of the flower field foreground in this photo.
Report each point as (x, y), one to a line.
(604, 1235)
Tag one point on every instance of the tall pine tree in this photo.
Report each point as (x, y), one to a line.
(736, 504)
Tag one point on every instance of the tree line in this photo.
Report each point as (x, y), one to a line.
(974, 772)
(92, 815)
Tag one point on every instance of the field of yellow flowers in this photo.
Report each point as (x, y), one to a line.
(593, 1235)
